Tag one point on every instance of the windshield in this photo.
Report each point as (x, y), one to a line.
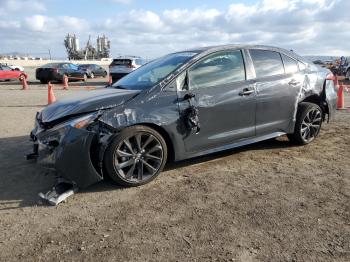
(152, 73)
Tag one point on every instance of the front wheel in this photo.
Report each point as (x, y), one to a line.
(136, 156)
(308, 124)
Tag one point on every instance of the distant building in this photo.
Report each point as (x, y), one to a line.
(102, 50)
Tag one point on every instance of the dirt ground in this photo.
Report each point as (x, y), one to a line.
(265, 202)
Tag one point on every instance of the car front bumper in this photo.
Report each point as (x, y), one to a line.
(68, 151)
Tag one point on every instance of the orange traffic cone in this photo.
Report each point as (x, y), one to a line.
(51, 96)
(340, 104)
(110, 80)
(24, 82)
(65, 82)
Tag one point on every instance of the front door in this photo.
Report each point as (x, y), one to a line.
(226, 102)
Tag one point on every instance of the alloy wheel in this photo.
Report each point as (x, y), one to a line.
(311, 125)
(139, 157)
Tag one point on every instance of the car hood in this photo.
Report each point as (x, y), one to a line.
(86, 102)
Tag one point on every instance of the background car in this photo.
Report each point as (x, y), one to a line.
(122, 66)
(7, 73)
(56, 71)
(93, 70)
(15, 67)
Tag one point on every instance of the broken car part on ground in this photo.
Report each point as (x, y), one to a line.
(180, 106)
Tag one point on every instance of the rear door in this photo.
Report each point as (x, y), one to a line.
(276, 93)
(226, 102)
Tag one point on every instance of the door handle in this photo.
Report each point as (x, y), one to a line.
(293, 83)
(246, 92)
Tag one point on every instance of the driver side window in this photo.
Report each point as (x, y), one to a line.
(217, 69)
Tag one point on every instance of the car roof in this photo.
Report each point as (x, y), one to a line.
(127, 57)
(212, 49)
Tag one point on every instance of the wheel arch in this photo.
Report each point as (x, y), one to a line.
(165, 135)
(320, 100)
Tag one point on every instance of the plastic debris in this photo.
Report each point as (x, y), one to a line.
(60, 192)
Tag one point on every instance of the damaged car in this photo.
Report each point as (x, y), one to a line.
(183, 105)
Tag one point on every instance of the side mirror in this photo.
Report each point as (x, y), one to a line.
(189, 96)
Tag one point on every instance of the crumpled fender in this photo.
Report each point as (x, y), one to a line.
(73, 161)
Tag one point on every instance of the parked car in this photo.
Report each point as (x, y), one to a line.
(93, 70)
(184, 105)
(15, 67)
(56, 71)
(7, 73)
(122, 66)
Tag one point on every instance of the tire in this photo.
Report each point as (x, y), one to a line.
(129, 163)
(104, 74)
(85, 78)
(92, 75)
(308, 124)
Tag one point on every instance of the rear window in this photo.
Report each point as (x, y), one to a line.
(290, 65)
(121, 62)
(267, 63)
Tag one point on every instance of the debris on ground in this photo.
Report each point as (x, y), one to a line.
(59, 193)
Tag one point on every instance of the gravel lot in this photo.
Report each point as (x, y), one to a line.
(265, 202)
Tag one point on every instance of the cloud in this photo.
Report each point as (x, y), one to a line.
(125, 2)
(312, 27)
(11, 6)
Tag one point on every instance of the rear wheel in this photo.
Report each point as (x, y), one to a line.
(136, 156)
(85, 78)
(92, 75)
(308, 124)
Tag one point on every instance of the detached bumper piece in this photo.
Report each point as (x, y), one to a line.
(59, 193)
(35, 154)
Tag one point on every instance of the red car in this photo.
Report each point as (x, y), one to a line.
(6, 73)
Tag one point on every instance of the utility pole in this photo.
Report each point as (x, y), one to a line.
(50, 54)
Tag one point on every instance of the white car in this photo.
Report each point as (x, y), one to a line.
(16, 67)
(122, 66)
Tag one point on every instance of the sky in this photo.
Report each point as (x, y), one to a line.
(153, 28)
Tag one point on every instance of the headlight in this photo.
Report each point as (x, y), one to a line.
(80, 122)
